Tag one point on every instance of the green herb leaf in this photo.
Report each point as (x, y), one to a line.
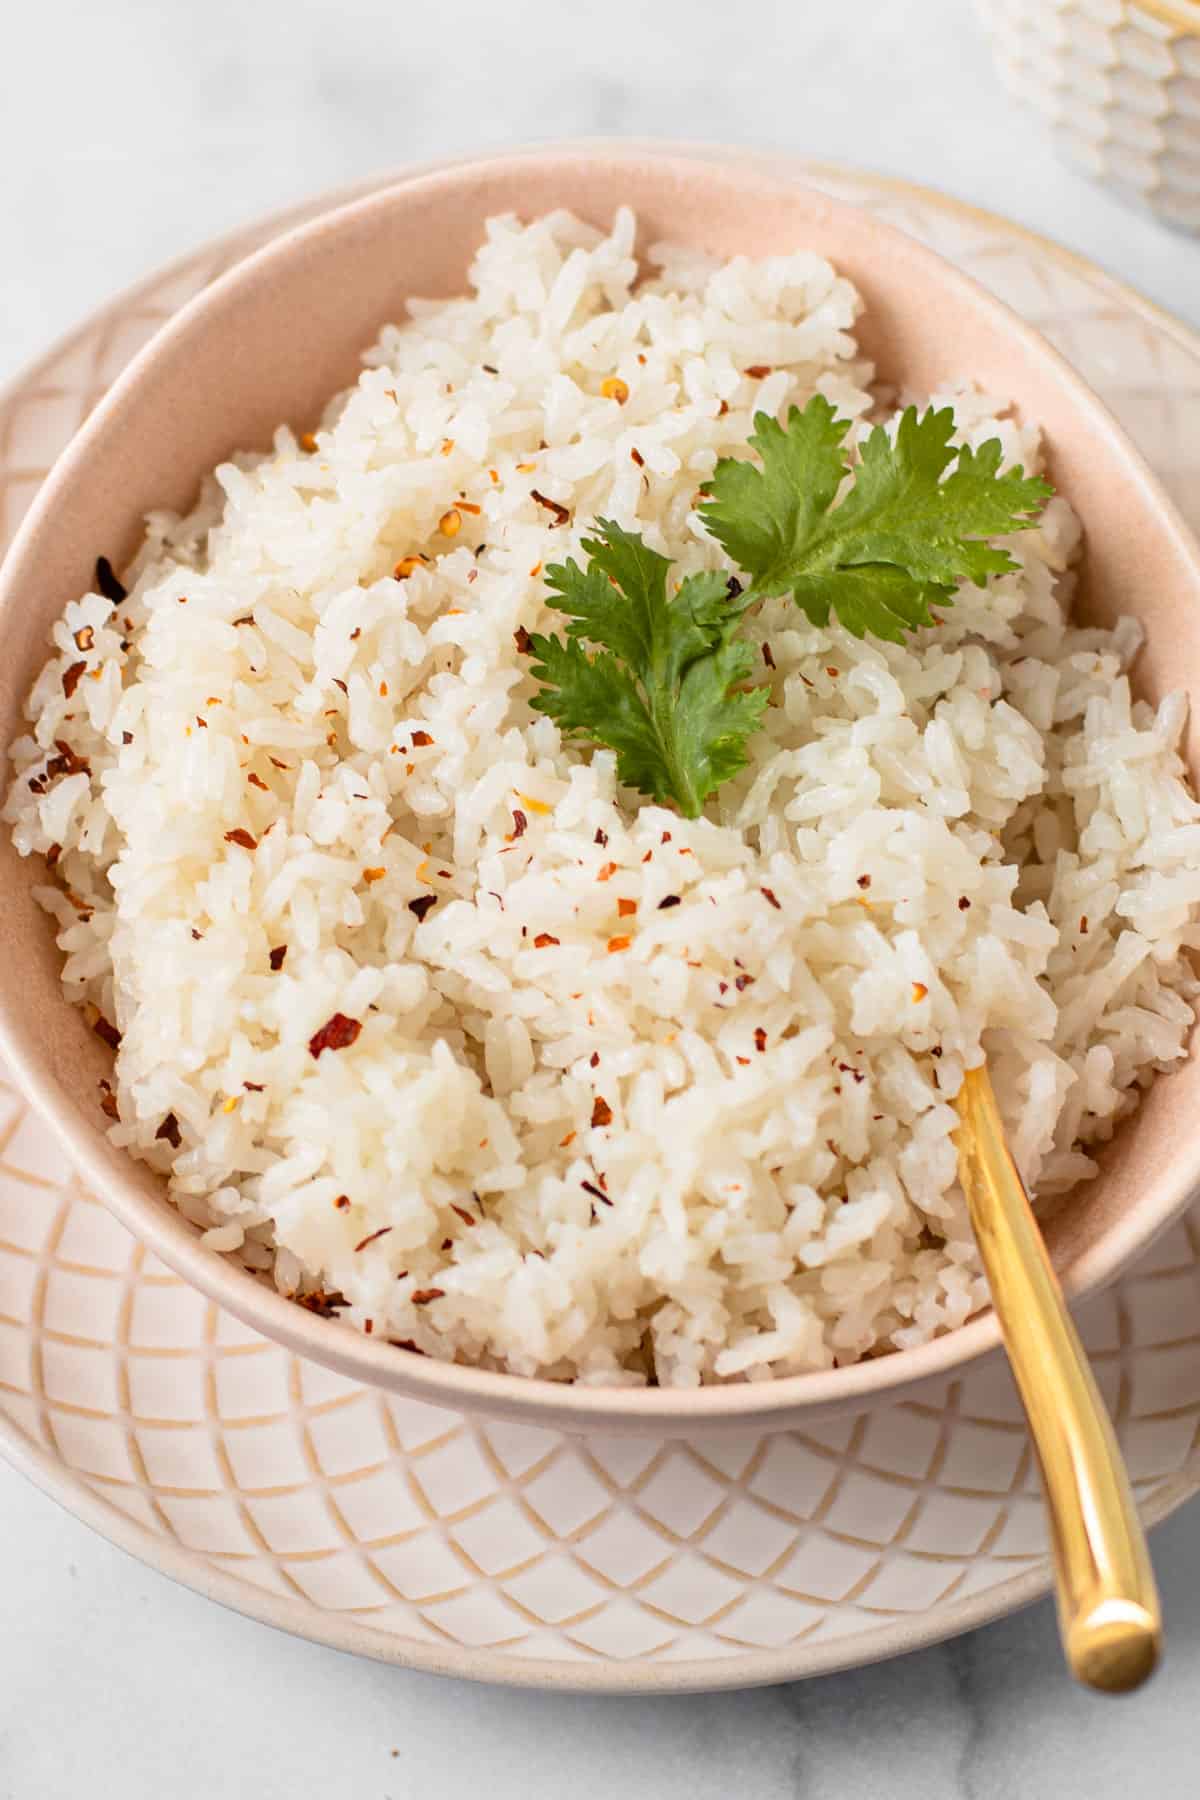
(659, 686)
(905, 534)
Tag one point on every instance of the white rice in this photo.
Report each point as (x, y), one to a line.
(974, 841)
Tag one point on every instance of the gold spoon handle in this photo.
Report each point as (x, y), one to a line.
(1108, 1607)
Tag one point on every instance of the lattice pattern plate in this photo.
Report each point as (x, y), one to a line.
(401, 1531)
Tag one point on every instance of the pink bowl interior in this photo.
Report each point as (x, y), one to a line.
(271, 342)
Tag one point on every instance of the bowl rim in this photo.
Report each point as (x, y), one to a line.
(533, 1399)
(1184, 18)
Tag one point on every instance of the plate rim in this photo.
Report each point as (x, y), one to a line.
(191, 1568)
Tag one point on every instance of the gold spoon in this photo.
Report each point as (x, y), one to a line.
(1108, 1609)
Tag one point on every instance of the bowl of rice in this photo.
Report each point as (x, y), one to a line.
(395, 1012)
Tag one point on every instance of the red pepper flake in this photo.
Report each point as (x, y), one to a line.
(766, 892)
(561, 513)
(864, 881)
(1083, 925)
(342, 1202)
(239, 836)
(423, 1296)
(246, 619)
(108, 1034)
(71, 676)
(759, 370)
(325, 1302)
(108, 1101)
(466, 1217)
(543, 940)
(168, 1131)
(767, 656)
(963, 903)
(107, 583)
(919, 991)
(127, 737)
(356, 634)
(520, 823)
(338, 683)
(276, 956)
(600, 838)
(607, 872)
(617, 944)
(67, 762)
(371, 1237)
(522, 640)
(638, 458)
(421, 739)
(414, 1350)
(421, 905)
(590, 1187)
(337, 1033)
(742, 982)
(647, 856)
(832, 672)
(669, 900)
(368, 1327)
(594, 1059)
(625, 908)
(760, 1040)
(665, 838)
(744, 1060)
(601, 1113)
(254, 1087)
(469, 506)
(53, 854)
(258, 782)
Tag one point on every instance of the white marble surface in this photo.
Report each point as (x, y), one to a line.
(131, 130)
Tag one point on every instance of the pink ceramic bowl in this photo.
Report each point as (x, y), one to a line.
(279, 334)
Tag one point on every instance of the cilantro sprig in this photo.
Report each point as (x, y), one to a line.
(661, 688)
(905, 535)
(875, 545)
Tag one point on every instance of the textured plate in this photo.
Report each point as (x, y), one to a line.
(504, 1552)
(1118, 82)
